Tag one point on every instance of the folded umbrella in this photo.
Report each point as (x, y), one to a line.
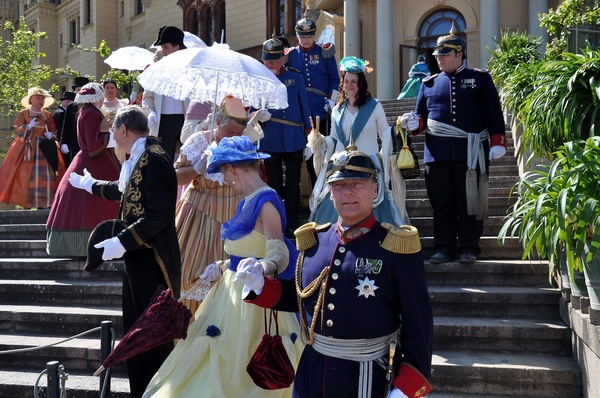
(164, 320)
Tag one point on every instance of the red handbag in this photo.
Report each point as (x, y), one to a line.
(270, 367)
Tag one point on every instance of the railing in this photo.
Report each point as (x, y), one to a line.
(55, 372)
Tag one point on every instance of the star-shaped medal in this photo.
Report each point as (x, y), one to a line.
(366, 287)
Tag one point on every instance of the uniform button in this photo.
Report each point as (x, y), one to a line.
(454, 120)
(453, 99)
(334, 276)
(332, 290)
(454, 106)
(329, 323)
(331, 306)
(342, 249)
(337, 261)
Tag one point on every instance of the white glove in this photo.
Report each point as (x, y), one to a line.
(262, 115)
(250, 273)
(152, 119)
(200, 166)
(133, 97)
(48, 135)
(211, 273)
(84, 181)
(64, 148)
(32, 123)
(112, 248)
(396, 393)
(329, 104)
(497, 151)
(308, 152)
(409, 121)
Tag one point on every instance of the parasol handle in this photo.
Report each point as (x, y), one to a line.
(312, 125)
(100, 370)
(190, 290)
(318, 124)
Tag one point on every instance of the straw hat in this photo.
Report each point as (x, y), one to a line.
(48, 100)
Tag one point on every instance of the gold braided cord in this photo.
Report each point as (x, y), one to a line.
(321, 281)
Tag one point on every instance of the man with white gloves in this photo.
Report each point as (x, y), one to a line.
(460, 112)
(147, 189)
(361, 292)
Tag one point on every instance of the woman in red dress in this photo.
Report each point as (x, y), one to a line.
(26, 177)
(76, 212)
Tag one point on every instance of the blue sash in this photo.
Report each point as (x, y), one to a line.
(364, 113)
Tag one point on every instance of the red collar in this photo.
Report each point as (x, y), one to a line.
(357, 230)
(307, 49)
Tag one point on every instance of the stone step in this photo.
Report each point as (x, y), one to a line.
(485, 373)
(61, 292)
(491, 225)
(58, 268)
(56, 320)
(540, 336)
(495, 181)
(489, 273)
(23, 248)
(19, 383)
(23, 231)
(490, 248)
(416, 189)
(420, 207)
(78, 354)
(494, 301)
(24, 216)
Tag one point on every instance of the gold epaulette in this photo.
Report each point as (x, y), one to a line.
(306, 235)
(401, 240)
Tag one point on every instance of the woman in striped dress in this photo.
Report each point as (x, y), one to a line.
(207, 202)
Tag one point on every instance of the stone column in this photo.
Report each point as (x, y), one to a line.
(351, 29)
(488, 29)
(384, 65)
(538, 7)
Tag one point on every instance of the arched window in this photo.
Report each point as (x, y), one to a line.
(438, 24)
(206, 24)
(220, 20)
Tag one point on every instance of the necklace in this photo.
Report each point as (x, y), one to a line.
(352, 107)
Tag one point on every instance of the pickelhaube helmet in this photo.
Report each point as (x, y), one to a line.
(447, 44)
(350, 164)
(306, 27)
(272, 49)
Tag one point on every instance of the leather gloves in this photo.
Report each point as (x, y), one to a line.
(409, 121)
(497, 151)
(48, 134)
(84, 181)
(250, 273)
(112, 248)
(64, 148)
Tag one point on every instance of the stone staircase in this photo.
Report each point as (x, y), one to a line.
(497, 327)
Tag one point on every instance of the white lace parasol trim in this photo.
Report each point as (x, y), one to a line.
(193, 149)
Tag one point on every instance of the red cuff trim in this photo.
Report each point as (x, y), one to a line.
(270, 294)
(421, 127)
(498, 139)
(411, 382)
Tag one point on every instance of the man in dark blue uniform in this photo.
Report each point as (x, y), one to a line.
(362, 294)
(461, 112)
(285, 133)
(320, 70)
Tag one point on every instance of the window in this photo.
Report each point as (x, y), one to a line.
(74, 31)
(122, 9)
(220, 20)
(439, 24)
(139, 7)
(87, 12)
(61, 40)
(206, 25)
(282, 16)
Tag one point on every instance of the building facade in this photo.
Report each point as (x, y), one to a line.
(389, 33)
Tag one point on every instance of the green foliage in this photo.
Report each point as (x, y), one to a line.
(18, 70)
(122, 78)
(102, 49)
(512, 50)
(569, 14)
(564, 103)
